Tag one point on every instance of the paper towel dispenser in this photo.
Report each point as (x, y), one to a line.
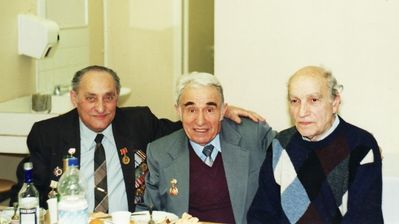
(37, 36)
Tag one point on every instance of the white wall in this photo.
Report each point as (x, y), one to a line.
(259, 44)
(143, 45)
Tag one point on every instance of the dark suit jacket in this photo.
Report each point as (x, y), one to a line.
(49, 141)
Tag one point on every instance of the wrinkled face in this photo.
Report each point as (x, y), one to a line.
(201, 112)
(96, 100)
(311, 105)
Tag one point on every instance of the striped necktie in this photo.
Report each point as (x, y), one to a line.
(207, 151)
(100, 177)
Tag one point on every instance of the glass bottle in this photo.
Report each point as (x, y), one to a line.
(28, 198)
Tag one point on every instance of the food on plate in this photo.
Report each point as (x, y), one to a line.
(186, 219)
(102, 218)
(96, 221)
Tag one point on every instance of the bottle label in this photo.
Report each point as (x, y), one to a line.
(72, 211)
(77, 216)
(28, 215)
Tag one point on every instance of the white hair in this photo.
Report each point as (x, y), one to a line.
(197, 79)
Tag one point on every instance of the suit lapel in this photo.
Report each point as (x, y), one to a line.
(69, 138)
(236, 165)
(125, 138)
(179, 169)
(71, 133)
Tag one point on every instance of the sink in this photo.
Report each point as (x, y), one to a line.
(59, 104)
(17, 118)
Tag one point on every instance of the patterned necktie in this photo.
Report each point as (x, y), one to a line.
(207, 151)
(100, 177)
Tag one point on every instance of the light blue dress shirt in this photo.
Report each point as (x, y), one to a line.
(198, 148)
(117, 197)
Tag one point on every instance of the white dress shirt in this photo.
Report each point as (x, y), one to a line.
(117, 197)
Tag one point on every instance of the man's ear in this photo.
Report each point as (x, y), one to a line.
(74, 98)
(336, 103)
(224, 109)
(178, 110)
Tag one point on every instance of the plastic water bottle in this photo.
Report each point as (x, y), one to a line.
(28, 198)
(72, 207)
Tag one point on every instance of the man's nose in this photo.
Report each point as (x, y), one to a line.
(100, 106)
(200, 118)
(303, 110)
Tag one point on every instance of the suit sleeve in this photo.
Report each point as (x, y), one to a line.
(151, 194)
(266, 206)
(151, 126)
(164, 126)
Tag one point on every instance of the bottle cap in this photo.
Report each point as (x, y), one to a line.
(28, 165)
(73, 161)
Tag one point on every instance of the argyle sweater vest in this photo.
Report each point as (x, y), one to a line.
(334, 180)
(209, 198)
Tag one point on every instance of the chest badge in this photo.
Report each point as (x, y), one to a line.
(57, 171)
(125, 157)
(173, 191)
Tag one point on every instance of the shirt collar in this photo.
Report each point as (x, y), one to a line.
(216, 144)
(328, 132)
(88, 136)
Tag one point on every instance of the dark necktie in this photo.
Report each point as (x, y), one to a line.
(100, 177)
(207, 151)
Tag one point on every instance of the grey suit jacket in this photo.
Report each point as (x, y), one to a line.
(243, 151)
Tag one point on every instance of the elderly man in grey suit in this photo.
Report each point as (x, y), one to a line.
(210, 167)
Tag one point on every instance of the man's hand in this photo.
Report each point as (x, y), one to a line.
(234, 114)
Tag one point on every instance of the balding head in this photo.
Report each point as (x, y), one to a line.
(325, 77)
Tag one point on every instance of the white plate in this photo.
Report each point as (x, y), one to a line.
(157, 216)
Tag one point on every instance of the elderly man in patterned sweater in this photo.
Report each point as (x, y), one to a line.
(323, 170)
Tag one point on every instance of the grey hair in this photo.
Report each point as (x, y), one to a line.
(197, 79)
(333, 86)
(79, 74)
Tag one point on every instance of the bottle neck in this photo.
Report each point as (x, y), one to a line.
(28, 176)
(73, 167)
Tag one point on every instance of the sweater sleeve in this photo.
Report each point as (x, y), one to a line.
(365, 189)
(266, 206)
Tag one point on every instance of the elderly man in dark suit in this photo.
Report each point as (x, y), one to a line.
(210, 167)
(123, 133)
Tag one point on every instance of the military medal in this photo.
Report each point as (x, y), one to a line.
(57, 171)
(140, 171)
(125, 158)
(173, 191)
(71, 151)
